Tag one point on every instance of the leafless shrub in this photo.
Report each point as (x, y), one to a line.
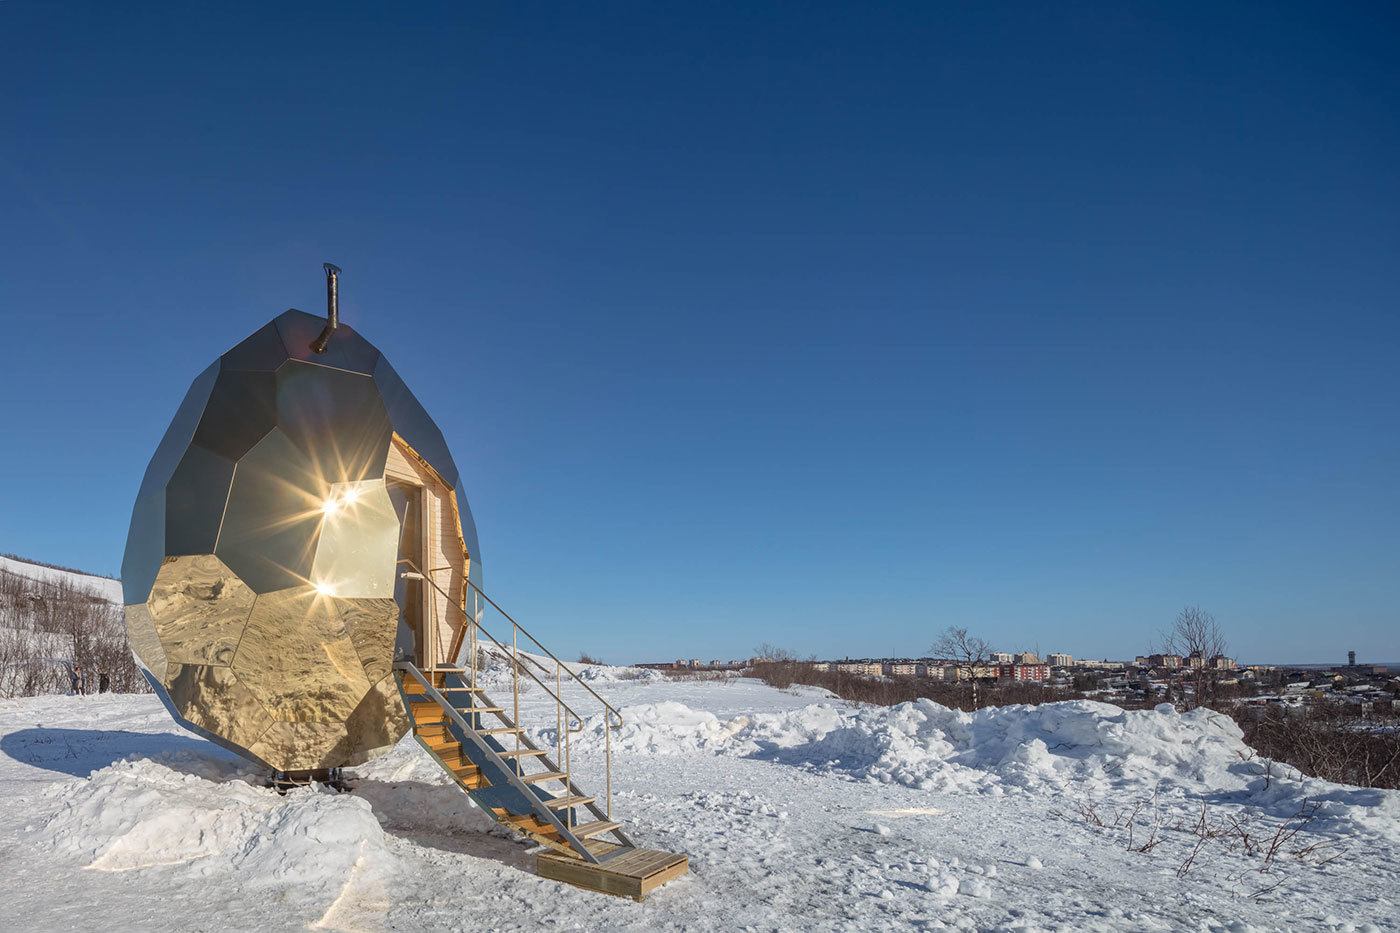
(585, 658)
(1327, 741)
(51, 628)
(1248, 832)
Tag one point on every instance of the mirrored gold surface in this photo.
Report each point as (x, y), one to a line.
(213, 699)
(141, 634)
(297, 658)
(359, 544)
(302, 746)
(373, 626)
(377, 723)
(199, 608)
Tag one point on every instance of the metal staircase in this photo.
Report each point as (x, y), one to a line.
(484, 746)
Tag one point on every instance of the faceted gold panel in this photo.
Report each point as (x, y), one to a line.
(359, 545)
(377, 723)
(304, 746)
(298, 659)
(199, 609)
(373, 625)
(141, 634)
(213, 699)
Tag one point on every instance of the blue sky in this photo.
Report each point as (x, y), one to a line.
(821, 326)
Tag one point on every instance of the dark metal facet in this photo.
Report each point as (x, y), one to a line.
(242, 408)
(412, 423)
(261, 352)
(194, 502)
(177, 437)
(145, 547)
(344, 350)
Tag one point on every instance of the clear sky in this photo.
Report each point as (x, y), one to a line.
(821, 326)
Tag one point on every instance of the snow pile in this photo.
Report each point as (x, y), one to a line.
(610, 674)
(495, 670)
(1079, 748)
(666, 728)
(140, 813)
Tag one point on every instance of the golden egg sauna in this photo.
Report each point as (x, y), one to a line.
(303, 586)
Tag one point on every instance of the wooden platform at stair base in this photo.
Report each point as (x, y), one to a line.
(635, 874)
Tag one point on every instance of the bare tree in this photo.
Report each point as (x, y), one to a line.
(968, 653)
(1196, 637)
(770, 652)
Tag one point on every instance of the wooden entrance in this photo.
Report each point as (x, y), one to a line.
(432, 539)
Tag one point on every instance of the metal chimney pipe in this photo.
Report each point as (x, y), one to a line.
(332, 308)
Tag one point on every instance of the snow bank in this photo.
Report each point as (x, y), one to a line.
(1082, 748)
(496, 671)
(141, 813)
(611, 674)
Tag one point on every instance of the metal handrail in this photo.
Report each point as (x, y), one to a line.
(565, 829)
(506, 651)
(575, 720)
(608, 706)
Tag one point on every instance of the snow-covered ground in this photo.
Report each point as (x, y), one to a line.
(798, 811)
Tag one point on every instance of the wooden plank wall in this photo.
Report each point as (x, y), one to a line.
(444, 553)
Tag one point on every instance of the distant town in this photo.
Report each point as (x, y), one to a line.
(1145, 678)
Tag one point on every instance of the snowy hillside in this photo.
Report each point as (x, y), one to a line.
(105, 587)
(797, 812)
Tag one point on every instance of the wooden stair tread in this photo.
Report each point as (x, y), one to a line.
(595, 828)
(565, 803)
(543, 776)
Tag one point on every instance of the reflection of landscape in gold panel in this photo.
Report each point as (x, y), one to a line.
(377, 723)
(212, 698)
(373, 625)
(198, 607)
(141, 635)
(297, 658)
(295, 746)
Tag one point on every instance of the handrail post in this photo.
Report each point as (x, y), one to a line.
(558, 716)
(515, 684)
(607, 759)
